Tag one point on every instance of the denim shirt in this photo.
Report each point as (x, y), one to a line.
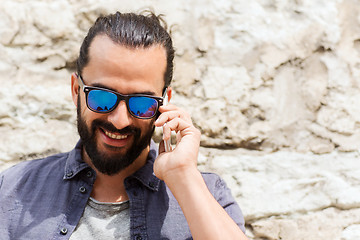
(45, 199)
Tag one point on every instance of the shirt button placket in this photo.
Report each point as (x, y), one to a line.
(137, 210)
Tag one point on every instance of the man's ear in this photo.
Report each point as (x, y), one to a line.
(169, 93)
(74, 88)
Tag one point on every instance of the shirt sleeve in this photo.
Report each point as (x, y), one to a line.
(223, 196)
(1, 180)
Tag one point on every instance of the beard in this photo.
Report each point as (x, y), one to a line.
(106, 162)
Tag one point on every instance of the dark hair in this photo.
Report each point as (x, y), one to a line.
(131, 30)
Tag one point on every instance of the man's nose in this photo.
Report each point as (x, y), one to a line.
(120, 117)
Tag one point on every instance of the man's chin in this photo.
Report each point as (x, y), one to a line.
(110, 163)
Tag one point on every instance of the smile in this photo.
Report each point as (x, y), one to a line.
(115, 136)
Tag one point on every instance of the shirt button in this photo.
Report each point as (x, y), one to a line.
(151, 184)
(89, 174)
(63, 231)
(69, 174)
(138, 237)
(82, 189)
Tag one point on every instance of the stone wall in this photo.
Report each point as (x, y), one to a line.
(273, 85)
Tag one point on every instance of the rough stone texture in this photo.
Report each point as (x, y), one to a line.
(288, 195)
(280, 78)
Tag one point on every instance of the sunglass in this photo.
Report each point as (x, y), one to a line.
(101, 100)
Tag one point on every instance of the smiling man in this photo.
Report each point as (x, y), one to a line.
(116, 184)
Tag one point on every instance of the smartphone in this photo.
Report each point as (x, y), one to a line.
(167, 142)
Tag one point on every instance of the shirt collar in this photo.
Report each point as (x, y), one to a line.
(75, 164)
(146, 174)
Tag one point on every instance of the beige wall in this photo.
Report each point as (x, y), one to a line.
(261, 75)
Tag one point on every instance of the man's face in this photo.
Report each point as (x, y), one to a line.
(114, 140)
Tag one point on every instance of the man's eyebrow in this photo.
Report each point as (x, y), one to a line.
(99, 85)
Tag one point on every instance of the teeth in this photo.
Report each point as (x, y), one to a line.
(114, 136)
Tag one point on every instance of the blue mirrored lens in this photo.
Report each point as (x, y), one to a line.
(101, 101)
(143, 107)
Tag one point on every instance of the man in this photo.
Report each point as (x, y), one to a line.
(114, 184)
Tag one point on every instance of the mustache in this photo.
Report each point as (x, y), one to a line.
(111, 128)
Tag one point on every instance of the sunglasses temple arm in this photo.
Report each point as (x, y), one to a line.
(81, 83)
(167, 143)
(165, 92)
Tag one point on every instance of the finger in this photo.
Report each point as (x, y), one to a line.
(178, 137)
(166, 132)
(168, 107)
(167, 116)
(177, 125)
(162, 147)
(170, 115)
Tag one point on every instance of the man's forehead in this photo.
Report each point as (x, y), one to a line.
(107, 58)
(102, 41)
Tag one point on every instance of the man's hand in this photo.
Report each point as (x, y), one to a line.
(184, 156)
(207, 219)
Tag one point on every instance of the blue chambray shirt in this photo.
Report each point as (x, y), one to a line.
(45, 199)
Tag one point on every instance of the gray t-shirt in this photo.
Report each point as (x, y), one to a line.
(103, 221)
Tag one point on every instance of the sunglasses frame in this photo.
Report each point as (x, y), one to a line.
(120, 97)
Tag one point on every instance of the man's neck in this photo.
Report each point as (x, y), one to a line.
(111, 188)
